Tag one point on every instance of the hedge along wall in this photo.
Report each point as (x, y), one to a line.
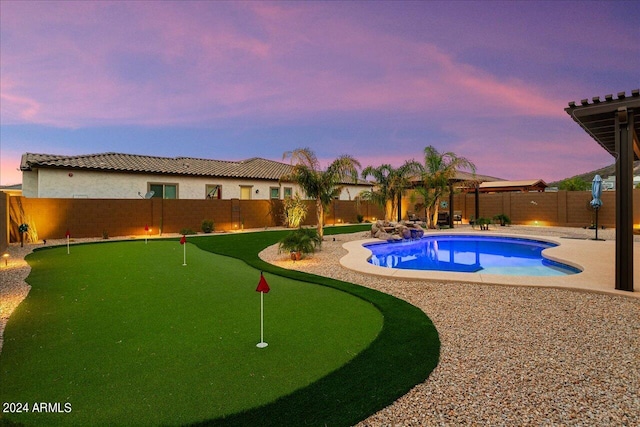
(128, 217)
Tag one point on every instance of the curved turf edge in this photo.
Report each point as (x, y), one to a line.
(403, 355)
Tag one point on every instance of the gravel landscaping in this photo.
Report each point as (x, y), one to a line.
(511, 355)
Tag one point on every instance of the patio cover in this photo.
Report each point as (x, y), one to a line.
(615, 125)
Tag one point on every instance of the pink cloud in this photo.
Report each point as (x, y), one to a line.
(232, 72)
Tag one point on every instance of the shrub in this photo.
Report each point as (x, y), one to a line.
(360, 218)
(186, 231)
(483, 223)
(295, 211)
(302, 240)
(504, 219)
(207, 226)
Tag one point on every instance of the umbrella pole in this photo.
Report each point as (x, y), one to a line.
(597, 223)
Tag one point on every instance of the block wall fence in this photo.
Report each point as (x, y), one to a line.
(562, 208)
(128, 217)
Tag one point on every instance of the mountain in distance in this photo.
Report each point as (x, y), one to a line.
(603, 172)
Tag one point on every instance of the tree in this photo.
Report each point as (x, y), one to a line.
(391, 183)
(439, 169)
(574, 184)
(320, 185)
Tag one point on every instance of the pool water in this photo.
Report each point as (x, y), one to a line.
(470, 254)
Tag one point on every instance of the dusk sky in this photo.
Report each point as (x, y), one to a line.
(377, 80)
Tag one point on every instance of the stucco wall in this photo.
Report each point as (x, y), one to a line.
(57, 183)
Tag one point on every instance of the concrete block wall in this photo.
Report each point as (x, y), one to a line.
(124, 217)
(128, 217)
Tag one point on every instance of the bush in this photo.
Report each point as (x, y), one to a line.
(207, 226)
(295, 211)
(186, 231)
(503, 219)
(360, 218)
(302, 240)
(483, 223)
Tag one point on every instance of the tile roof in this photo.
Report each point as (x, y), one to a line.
(253, 168)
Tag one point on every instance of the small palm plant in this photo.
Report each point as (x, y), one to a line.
(300, 242)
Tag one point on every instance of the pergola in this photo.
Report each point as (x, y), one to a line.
(612, 123)
(461, 178)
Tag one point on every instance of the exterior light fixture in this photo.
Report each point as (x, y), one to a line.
(5, 255)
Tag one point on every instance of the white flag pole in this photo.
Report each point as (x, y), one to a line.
(185, 254)
(262, 344)
(67, 244)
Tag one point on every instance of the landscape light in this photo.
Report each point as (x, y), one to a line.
(5, 255)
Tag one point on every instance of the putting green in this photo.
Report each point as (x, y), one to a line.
(122, 333)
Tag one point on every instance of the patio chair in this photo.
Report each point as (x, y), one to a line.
(457, 217)
(443, 219)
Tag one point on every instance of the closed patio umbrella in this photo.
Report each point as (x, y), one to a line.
(596, 193)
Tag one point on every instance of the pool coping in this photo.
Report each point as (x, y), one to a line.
(596, 259)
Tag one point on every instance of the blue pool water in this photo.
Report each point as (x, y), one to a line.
(470, 254)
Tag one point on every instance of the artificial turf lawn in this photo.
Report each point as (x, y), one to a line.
(404, 353)
(126, 334)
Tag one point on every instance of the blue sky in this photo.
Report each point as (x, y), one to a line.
(377, 80)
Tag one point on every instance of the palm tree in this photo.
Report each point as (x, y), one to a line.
(391, 184)
(380, 194)
(321, 185)
(440, 168)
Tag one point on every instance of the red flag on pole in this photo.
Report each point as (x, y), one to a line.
(263, 286)
(146, 227)
(183, 240)
(68, 234)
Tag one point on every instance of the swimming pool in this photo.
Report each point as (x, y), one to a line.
(470, 254)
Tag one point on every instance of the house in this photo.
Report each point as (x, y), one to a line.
(130, 176)
(609, 183)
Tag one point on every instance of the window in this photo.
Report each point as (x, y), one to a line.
(245, 192)
(274, 192)
(213, 191)
(164, 191)
(288, 193)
